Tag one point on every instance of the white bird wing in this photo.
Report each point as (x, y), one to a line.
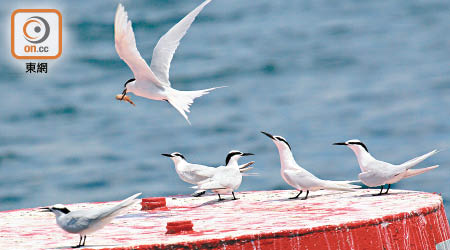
(197, 171)
(167, 44)
(303, 178)
(211, 184)
(411, 163)
(373, 179)
(223, 178)
(125, 44)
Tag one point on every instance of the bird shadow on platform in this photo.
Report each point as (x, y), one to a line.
(312, 196)
(373, 194)
(213, 202)
(86, 246)
(150, 213)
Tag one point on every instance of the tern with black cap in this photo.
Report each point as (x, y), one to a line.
(152, 81)
(379, 173)
(87, 221)
(226, 179)
(298, 177)
(196, 173)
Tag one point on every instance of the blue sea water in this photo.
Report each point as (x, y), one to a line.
(315, 72)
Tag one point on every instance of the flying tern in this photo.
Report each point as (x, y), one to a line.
(300, 178)
(196, 173)
(225, 179)
(152, 81)
(378, 173)
(86, 222)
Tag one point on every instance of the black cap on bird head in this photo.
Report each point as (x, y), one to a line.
(124, 92)
(277, 138)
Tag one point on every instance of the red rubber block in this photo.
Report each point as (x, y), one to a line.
(176, 227)
(258, 220)
(154, 203)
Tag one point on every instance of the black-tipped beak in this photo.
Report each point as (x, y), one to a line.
(124, 93)
(245, 154)
(340, 143)
(167, 155)
(268, 135)
(45, 209)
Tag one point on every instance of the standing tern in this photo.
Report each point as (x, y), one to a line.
(196, 173)
(378, 173)
(153, 82)
(300, 178)
(225, 179)
(87, 221)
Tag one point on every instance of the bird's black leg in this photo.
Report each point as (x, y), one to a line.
(381, 191)
(306, 197)
(234, 197)
(295, 197)
(389, 186)
(84, 241)
(220, 198)
(79, 244)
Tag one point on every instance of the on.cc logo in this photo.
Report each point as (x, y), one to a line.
(37, 25)
(36, 34)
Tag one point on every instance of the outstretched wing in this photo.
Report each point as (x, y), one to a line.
(166, 46)
(125, 44)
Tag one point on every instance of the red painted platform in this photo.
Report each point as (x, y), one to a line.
(258, 220)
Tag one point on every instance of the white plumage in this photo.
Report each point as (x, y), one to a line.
(225, 179)
(378, 173)
(87, 221)
(298, 177)
(152, 81)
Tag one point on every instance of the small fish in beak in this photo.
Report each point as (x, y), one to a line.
(122, 97)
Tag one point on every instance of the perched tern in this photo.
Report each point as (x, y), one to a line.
(300, 178)
(86, 222)
(225, 179)
(378, 173)
(196, 173)
(153, 82)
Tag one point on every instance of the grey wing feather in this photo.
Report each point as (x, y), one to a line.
(80, 220)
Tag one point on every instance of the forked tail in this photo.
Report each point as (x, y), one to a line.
(414, 172)
(411, 163)
(246, 167)
(182, 100)
(129, 201)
